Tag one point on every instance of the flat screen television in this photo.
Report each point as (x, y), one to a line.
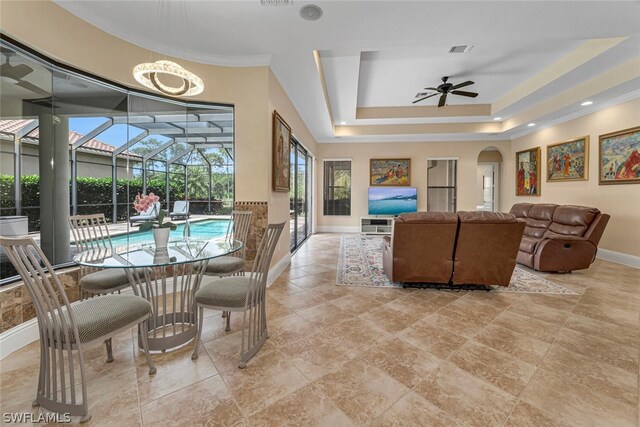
(392, 200)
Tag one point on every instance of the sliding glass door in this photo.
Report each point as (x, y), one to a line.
(300, 195)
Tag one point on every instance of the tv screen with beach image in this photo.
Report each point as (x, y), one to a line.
(392, 201)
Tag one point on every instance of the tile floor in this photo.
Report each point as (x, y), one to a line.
(341, 356)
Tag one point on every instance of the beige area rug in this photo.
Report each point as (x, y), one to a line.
(361, 265)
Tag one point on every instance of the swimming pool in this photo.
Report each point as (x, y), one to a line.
(209, 228)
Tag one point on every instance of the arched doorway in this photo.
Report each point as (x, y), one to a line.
(488, 179)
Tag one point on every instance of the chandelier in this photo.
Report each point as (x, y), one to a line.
(149, 74)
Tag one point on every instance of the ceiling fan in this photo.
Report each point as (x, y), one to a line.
(445, 89)
(16, 73)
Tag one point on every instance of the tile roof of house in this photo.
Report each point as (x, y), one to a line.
(12, 126)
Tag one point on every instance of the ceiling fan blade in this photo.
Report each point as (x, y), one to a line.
(431, 88)
(33, 88)
(443, 99)
(423, 98)
(463, 93)
(459, 85)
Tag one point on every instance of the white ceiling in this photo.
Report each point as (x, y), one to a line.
(380, 53)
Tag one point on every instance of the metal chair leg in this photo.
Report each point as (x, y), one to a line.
(194, 356)
(228, 328)
(108, 343)
(144, 336)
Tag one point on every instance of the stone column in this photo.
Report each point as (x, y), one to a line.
(259, 223)
(54, 186)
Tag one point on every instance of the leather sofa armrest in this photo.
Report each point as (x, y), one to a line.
(564, 253)
(563, 238)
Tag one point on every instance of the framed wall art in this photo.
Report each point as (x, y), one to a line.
(281, 153)
(389, 172)
(528, 172)
(568, 161)
(619, 157)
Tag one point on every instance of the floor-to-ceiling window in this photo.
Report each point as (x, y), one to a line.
(300, 194)
(71, 143)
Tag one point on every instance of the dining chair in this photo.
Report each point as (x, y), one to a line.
(90, 232)
(242, 294)
(66, 328)
(238, 229)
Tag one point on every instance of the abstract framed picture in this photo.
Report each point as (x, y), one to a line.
(568, 161)
(390, 172)
(619, 157)
(528, 172)
(281, 153)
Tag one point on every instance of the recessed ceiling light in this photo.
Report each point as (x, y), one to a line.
(497, 118)
(343, 123)
(311, 12)
(531, 124)
(585, 103)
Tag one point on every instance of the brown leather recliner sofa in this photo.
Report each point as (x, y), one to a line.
(559, 237)
(464, 248)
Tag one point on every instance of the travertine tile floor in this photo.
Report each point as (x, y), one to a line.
(341, 356)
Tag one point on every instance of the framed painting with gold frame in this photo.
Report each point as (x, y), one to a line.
(390, 172)
(619, 157)
(281, 168)
(568, 161)
(528, 172)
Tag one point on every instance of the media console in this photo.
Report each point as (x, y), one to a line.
(376, 224)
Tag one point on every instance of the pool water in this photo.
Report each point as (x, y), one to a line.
(202, 229)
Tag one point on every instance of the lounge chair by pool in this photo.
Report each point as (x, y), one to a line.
(148, 215)
(180, 209)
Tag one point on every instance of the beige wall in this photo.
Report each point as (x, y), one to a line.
(279, 201)
(622, 202)
(466, 152)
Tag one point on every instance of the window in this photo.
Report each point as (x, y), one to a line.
(337, 187)
(299, 195)
(441, 185)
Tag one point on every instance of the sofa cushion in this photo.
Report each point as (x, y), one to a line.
(484, 217)
(521, 210)
(572, 220)
(528, 244)
(428, 218)
(538, 219)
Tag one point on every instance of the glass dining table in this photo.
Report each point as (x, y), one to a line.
(168, 278)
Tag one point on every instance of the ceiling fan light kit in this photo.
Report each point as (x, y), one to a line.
(445, 89)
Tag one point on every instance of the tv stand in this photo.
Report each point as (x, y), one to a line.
(376, 224)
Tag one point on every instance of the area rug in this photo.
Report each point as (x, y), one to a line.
(360, 264)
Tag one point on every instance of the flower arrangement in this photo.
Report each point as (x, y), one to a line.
(142, 203)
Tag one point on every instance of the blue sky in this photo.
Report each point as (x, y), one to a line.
(116, 135)
(376, 193)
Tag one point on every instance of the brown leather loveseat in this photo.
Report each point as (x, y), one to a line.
(464, 248)
(559, 237)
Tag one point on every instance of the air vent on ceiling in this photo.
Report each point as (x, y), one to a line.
(276, 2)
(461, 49)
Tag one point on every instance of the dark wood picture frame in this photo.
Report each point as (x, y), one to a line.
(281, 164)
(536, 156)
(633, 155)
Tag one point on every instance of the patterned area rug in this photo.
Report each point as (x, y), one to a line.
(361, 265)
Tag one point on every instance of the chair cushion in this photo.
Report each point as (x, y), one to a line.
(528, 244)
(105, 280)
(102, 315)
(225, 292)
(225, 265)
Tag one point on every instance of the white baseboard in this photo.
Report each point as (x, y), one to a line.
(619, 258)
(278, 268)
(25, 333)
(337, 229)
(17, 337)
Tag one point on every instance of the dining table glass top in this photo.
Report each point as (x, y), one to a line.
(179, 251)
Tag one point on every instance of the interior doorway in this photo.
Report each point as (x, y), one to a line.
(488, 180)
